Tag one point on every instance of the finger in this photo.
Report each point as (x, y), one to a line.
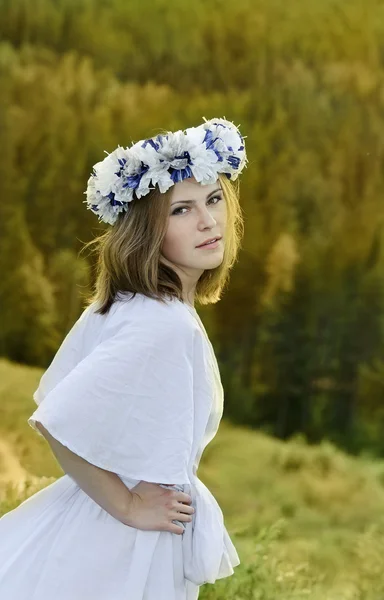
(173, 528)
(183, 497)
(185, 508)
(179, 516)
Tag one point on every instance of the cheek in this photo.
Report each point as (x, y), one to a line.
(223, 212)
(174, 242)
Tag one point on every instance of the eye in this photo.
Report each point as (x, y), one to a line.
(217, 197)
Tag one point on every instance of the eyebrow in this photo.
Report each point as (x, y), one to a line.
(194, 201)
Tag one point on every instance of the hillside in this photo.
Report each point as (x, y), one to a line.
(308, 521)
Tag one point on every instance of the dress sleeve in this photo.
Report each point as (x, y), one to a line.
(65, 358)
(127, 407)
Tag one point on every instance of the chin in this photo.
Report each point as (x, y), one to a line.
(211, 263)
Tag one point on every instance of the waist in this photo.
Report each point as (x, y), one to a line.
(208, 551)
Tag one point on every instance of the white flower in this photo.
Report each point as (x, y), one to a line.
(216, 146)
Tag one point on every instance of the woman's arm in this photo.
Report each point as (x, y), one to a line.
(104, 487)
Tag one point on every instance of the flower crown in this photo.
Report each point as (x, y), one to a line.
(215, 146)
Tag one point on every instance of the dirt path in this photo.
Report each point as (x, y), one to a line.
(10, 467)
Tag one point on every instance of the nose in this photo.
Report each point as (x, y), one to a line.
(207, 218)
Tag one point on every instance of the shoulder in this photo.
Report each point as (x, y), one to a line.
(149, 322)
(170, 314)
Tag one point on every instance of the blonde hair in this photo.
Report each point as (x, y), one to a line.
(129, 253)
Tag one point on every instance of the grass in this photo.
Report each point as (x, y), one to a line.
(307, 521)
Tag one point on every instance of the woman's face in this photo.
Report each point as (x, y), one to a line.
(196, 213)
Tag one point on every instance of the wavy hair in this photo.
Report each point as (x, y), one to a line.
(128, 254)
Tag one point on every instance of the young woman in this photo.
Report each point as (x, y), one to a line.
(133, 395)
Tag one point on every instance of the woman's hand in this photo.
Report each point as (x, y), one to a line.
(153, 507)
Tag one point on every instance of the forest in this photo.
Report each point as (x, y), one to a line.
(299, 334)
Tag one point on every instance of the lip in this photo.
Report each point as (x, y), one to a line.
(203, 245)
(209, 246)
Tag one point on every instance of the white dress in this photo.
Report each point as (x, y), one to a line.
(137, 392)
